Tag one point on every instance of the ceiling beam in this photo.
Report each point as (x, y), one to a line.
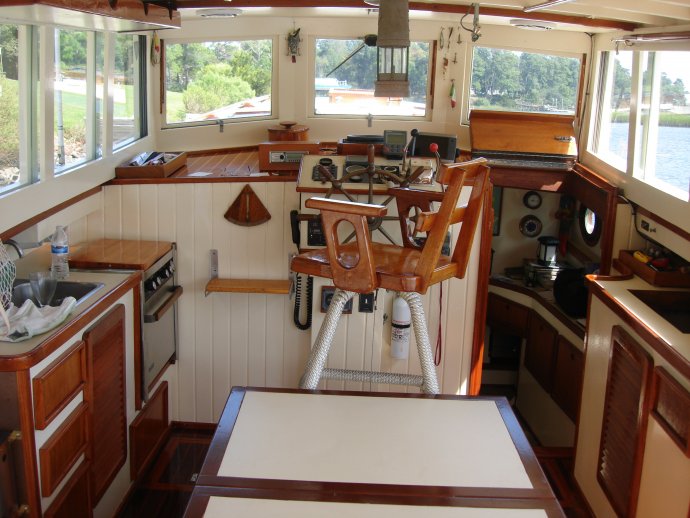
(585, 21)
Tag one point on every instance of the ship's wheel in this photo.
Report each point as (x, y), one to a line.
(373, 175)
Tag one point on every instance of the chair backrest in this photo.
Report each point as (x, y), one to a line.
(436, 223)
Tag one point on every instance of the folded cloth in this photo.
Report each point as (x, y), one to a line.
(28, 320)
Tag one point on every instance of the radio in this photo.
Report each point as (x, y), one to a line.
(280, 157)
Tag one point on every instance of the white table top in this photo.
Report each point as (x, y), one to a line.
(376, 440)
(221, 507)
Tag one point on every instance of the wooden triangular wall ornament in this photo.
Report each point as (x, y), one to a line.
(247, 209)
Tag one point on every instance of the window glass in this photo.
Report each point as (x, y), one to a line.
(344, 77)
(9, 107)
(663, 133)
(127, 116)
(613, 115)
(218, 80)
(511, 80)
(100, 102)
(18, 86)
(71, 100)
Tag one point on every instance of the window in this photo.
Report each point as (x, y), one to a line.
(613, 114)
(344, 77)
(129, 117)
(642, 124)
(218, 80)
(511, 80)
(18, 72)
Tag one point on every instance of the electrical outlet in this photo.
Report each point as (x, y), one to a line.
(644, 224)
(366, 302)
(326, 297)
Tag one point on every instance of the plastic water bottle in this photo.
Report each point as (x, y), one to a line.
(59, 250)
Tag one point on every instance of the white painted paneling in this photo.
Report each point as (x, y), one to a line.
(250, 339)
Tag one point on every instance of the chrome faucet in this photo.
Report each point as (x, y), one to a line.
(15, 245)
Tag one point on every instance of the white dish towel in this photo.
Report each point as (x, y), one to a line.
(28, 320)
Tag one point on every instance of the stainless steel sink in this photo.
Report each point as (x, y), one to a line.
(79, 290)
(673, 306)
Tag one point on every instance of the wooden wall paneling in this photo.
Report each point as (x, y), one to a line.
(131, 207)
(62, 451)
(258, 251)
(221, 310)
(356, 353)
(278, 244)
(167, 213)
(105, 395)
(203, 229)
(74, 499)
(112, 211)
(148, 212)
(184, 232)
(624, 426)
(95, 224)
(55, 386)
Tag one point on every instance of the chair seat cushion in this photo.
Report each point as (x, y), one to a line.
(393, 264)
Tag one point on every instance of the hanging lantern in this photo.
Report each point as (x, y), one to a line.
(393, 44)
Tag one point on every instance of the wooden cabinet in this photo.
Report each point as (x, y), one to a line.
(510, 316)
(148, 431)
(567, 378)
(57, 385)
(105, 346)
(73, 501)
(540, 351)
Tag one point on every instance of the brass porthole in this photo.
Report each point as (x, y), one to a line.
(590, 225)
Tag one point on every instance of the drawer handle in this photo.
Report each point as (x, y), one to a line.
(155, 316)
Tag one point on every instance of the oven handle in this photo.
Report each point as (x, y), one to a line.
(155, 316)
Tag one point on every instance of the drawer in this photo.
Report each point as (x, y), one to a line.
(73, 501)
(63, 449)
(55, 386)
(510, 316)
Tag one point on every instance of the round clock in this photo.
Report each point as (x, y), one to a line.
(532, 199)
(530, 226)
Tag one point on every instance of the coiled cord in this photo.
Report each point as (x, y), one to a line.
(298, 296)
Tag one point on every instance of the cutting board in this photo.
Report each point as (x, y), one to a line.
(121, 254)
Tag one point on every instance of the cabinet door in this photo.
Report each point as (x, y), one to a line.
(105, 345)
(625, 422)
(567, 379)
(540, 350)
(73, 501)
(507, 315)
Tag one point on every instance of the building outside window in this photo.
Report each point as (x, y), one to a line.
(218, 80)
(344, 77)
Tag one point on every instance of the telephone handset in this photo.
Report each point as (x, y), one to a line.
(294, 223)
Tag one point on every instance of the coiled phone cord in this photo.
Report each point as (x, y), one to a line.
(298, 296)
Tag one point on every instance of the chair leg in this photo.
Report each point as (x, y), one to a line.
(319, 352)
(426, 358)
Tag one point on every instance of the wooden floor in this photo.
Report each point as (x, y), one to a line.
(165, 489)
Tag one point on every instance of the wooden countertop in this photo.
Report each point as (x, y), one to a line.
(227, 165)
(120, 254)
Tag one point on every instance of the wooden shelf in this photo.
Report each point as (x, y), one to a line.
(279, 287)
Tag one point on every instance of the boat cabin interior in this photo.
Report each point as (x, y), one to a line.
(357, 257)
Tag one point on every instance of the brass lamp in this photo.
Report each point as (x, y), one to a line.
(392, 44)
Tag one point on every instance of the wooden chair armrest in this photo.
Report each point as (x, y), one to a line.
(346, 207)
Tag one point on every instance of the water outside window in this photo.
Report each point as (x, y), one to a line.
(217, 80)
(663, 133)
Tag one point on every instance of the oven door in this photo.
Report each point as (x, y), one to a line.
(160, 336)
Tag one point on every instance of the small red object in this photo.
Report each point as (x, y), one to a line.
(661, 262)
(433, 147)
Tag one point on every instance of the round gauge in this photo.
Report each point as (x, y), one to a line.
(530, 226)
(532, 199)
